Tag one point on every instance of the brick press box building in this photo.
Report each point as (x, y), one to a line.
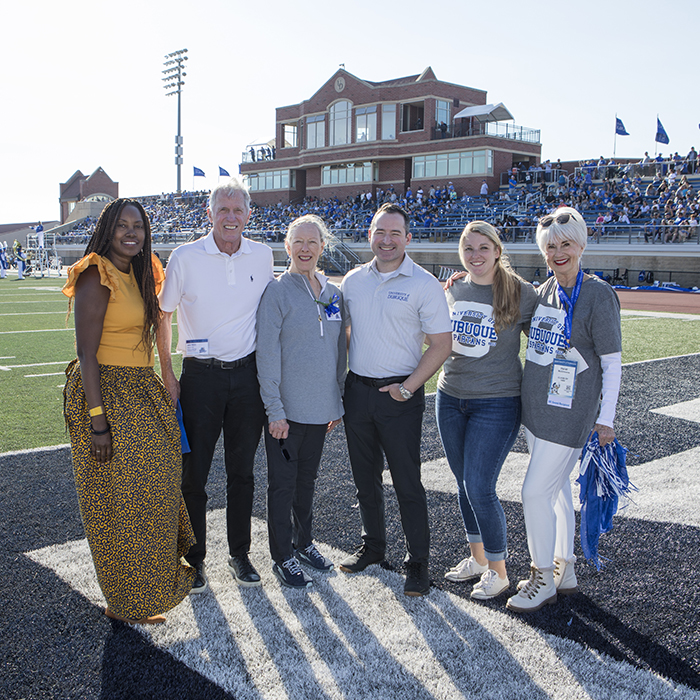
(355, 135)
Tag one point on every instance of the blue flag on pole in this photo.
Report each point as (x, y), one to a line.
(200, 173)
(661, 135)
(223, 173)
(620, 128)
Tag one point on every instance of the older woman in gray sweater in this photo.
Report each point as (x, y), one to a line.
(301, 362)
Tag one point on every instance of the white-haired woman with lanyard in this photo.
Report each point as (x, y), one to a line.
(301, 368)
(574, 353)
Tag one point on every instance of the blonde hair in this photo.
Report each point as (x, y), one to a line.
(506, 281)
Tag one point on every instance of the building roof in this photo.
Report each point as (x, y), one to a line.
(427, 74)
(485, 113)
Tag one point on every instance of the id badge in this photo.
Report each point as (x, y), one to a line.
(334, 316)
(198, 346)
(562, 383)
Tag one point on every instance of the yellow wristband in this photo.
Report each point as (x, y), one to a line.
(97, 411)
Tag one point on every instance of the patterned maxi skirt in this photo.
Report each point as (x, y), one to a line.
(132, 508)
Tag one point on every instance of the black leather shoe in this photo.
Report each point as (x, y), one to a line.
(360, 560)
(200, 580)
(417, 581)
(243, 570)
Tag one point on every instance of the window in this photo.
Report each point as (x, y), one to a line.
(442, 112)
(271, 180)
(341, 122)
(388, 122)
(316, 131)
(344, 173)
(412, 117)
(365, 124)
(449, 164)
(290, 136)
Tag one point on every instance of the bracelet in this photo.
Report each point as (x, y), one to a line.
(97, 411)
(100, 432)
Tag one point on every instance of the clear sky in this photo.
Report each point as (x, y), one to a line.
(80, 80)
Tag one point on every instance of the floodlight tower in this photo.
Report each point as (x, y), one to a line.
(174, 74)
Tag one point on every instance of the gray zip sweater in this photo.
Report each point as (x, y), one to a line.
(301, 351)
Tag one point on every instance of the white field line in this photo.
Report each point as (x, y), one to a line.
(40, 330)
(9, 357)
(51, 374)
(659, 359)
(24, 288)
(48, 330)
(30, 302)
(34, 364)
(35, 313)
(661, 314)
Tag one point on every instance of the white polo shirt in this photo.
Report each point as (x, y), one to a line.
(217, 296)
(390, 317)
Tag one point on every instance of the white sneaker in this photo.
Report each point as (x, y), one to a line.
(489, 586)
(536, 593)
(466, 570)
(564, 577)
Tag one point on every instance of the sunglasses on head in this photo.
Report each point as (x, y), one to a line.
(561, 219)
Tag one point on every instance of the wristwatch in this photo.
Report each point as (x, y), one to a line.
(405, 392)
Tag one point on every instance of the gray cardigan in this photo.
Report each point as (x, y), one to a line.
(301, 352)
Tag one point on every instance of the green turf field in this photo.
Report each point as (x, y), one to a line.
(36, 344)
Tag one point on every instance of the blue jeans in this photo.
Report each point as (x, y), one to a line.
(477, 435)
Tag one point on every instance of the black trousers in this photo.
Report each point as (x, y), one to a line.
(213, 398)
(292, 468)
(375, 423)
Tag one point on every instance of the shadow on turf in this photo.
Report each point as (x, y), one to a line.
(629, 621)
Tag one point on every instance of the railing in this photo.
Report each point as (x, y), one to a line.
(632, 170)
(537, 177)
(616, 233)
(647, 232)
(341, 258)
(501, 130)
(256, 152)
(176, 237)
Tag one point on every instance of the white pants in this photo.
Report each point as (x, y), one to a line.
(547, 501)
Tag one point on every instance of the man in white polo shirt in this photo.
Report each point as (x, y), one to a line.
(216, 283)
(392, 306)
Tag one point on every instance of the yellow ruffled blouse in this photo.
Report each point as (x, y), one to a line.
(120, 344)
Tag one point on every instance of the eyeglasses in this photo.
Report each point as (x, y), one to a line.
(561, 219)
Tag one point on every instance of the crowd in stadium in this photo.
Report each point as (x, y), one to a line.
(652, 198)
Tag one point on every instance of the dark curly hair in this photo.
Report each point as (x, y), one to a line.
(101, 242)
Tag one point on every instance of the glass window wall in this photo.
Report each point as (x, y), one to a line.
(448, 164)
(271, 180)
(344, 173)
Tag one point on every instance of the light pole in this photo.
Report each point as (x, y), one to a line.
(174, 74)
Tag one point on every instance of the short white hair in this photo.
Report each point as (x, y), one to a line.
(228, 189)
(555, 231)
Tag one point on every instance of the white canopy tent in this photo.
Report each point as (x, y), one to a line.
(485, 113)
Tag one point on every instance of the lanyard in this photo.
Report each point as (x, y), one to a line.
(330, 307)
(569, 303)
(311, 294)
